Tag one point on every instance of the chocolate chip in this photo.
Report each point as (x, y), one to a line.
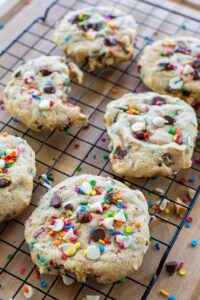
(158, 101)
(186, 93)
(18, 74)
(110, 41)
(49, 89)
(83, 216)
(196, 64)
(111, 16)
(45, 72)
(196, 75)
(69, 206)
(169, 119)
(120, 153)
(140, 136)
(171, 267)
(97, 234)
(4, 181)
(167, 159)
(56, 202)
(110, 198)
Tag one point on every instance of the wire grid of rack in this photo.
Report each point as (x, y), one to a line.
(56, 152)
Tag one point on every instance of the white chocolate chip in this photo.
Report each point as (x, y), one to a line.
(126, 240)
(2, 163)
(44, 104)
(138, 126)
(108, 223)
(58, 225)
(163, 204)
(69, 234)
(67, 280)
(86, 187)
(188, 69)
(175, 83)
(159, 122)
(29, 292)
(93, 252)
(120, 216)
(67, 246)
(96, 206)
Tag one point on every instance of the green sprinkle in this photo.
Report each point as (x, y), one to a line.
(110, 190)
(50, 176)
(106, 156)
(123, 279)
(172, 131)
(149, 193)
(198, 143)
(84, 203)
(38, 256)
(79, 169)
(106, 200)
(66, 131)
(43, 261)
(110, 215)
(93, 182)
(10, 256)
(126, 215)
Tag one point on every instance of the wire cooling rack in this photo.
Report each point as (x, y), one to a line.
(85, 151)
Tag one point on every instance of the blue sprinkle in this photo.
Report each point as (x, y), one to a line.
(157, 245)
(194, 243)
(69, 38)
(48, 83)
(118, 232)
(101, 248)
(43, 284)
(111, 232)
(68, 226)
(192, 179)
(172, 297)
(119, 205)
(15, 120)
(80, 191)
(187, 224)
(36, 97)
(83, 208)
(1, 25)
(183, 26)
(150, 203)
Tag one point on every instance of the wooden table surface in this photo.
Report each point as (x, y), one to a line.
(184, 287)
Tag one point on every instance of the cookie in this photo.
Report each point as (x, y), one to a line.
(172, 66)
(37, 94)
(90, 226)
(150, 134)
(17, 169)
(101, 36)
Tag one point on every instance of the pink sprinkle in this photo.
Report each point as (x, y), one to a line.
(63, 256)
(73, 240)
(178, 132)
(22, 270)
(97, 190)
(124, 205)
(185, 199)
(121, 245)
(146, 135)
(180, 266)
(55, 217)
(39, 232)
(76, 189)
(103, 139)
(77, 145)
(101, 219)
(197, 161)
(67, 222)
(179, 142)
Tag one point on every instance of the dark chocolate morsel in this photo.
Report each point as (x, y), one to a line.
(196, 64)
(4, 181)
(97, 234)
(56, 202)
(18, 74)
(120, 153)
(186, 93)
(171, 267)
(196, 75)
(158, 100)
(83, 216)
(110, 41)
(49, 89)
(140, 136)
(69, 206)
(169, 119)
(45, 72)
(167, 159)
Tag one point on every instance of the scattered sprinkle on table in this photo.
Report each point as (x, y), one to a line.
(10, 256)
(183, 26)
(172, 297)
(182, 272)
(106, 156)
(43, 284)
(164, 293)
(115, 90)
(194, 243)
(187, 224)
(157, 245)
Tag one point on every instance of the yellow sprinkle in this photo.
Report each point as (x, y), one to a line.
(60, 237)
(127, 183)
(70, 252)
(182, 272)
(121, 111)
(105, 216)
(164, 293)
(77, 245)
(128, 229)
(101, 242)
(115, 198)
(167, 211)
(69, 212)
(119, 200)
(40, 74)
(93, 192)
(67, 241)
(175, 137)
(62, 218)
(89, 38)
(84, 253)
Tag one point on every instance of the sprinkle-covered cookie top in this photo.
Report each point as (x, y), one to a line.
(89, 218)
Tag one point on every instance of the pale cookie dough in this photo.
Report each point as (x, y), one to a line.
(172, 66)
(37, 94)
(100, 35)
(17, 169)
(150, 134)
(90, 226)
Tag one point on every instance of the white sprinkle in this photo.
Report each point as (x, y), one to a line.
(175, 83)
(163, 204)
(58, 225)
(67, 280)
(44, 104)
(86, 187)
(159, 122)
(93, 252)
(29, 293)
(120, 216)
(159, 191)
(92, 297)
(96, 206)
(138, 126)
(108, 223)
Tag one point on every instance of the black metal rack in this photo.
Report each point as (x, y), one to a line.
(160, 16)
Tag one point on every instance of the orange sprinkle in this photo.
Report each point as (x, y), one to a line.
(154, 206)
(137, 224)
(106, 206)
(115, 90)
(25, 289)
(51, 232)
(5, 134)
(32, 86)
(118, 223)
(14, 153)
(111, 52)
(57, 243)
(156, 221)
(62, 233)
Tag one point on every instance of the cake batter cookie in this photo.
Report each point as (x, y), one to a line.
(90, 226)
(37, 94)
(17, 169)
(150, 134)
(100, 35)
(172, 66)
